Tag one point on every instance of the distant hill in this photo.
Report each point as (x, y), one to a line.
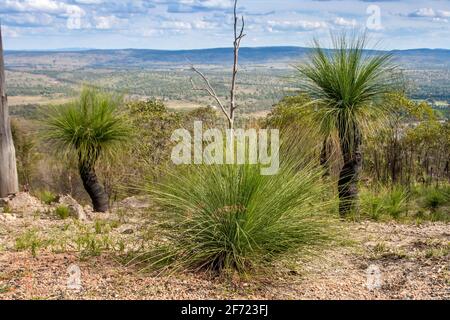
(144, 58)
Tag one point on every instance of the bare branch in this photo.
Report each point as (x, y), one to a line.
(238, 35)
(237, 43)
(210, 90)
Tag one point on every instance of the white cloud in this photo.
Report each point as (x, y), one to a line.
(429, 13)
(443, 14)
(28, 19)
(108, 22)
(299, 25)
(47, 6)
(176, 25)
(339, 21)
(10, 32)
(423, 12)
(89, 1)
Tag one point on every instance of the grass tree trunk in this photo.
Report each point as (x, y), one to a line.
(9, 183)
(93, 187)
(349, 175)
(324, 158)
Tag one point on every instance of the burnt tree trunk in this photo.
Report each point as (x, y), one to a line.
(349, 174)
(93, 187)
(9, 183)
(324, 158)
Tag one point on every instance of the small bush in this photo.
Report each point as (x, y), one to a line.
(89, 244)
(230, 217)
(62, 212)
(371, 205)
(387, 202)
(435, 198)
(7, 208)
(395, 202)
(29, 240)
(47, 197)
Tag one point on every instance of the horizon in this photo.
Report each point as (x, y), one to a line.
(75, 49)
(49, 25)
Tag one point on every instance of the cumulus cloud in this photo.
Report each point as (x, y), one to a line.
(108, 22)
(45, 6)
(429, 13)
(28, 20)
(342, 22)
(300, 25)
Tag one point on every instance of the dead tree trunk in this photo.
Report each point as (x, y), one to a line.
(9, 183)
(238, 36)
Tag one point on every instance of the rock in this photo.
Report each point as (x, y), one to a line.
(6, 217)
(125, 229)
(134, 203)
(23, 202)
(76, 210)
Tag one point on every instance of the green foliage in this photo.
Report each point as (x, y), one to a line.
(411, 147)
(30, 240)
(418, 203)
(153, 124)
(26, 153)
(396, 202)
(7, 209)
(230, 217)
(347, 85)
(62, 212)
(208, 116)
(291, 111)
(88, 127)
(386, 202)
(435, 197)
(47, 197)
(90, 243)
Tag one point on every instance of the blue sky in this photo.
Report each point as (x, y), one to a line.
(187, 24)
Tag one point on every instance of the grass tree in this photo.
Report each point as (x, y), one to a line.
(90, 128)
(348, 84)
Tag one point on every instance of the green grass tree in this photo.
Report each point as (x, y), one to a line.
(348, 84)
(89, 128)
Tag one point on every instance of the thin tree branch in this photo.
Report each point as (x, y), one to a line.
(210, 90)
(238, 35)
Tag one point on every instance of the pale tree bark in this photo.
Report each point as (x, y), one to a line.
(9, 183)
(229, 111)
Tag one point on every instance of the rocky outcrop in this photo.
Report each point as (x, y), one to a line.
(22, 202)
(75, 209)
(134, 203)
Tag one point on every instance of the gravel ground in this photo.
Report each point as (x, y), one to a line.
(412, 260)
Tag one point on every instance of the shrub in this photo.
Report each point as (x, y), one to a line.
(230, 217)
(7, 208)
(395, 202)
(62, 212)
(435, 198)
(371, 205)
(47, 197)
(30, 240)
(389, 202)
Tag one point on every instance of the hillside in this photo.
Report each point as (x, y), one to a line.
(266, 75)
(426, 58)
